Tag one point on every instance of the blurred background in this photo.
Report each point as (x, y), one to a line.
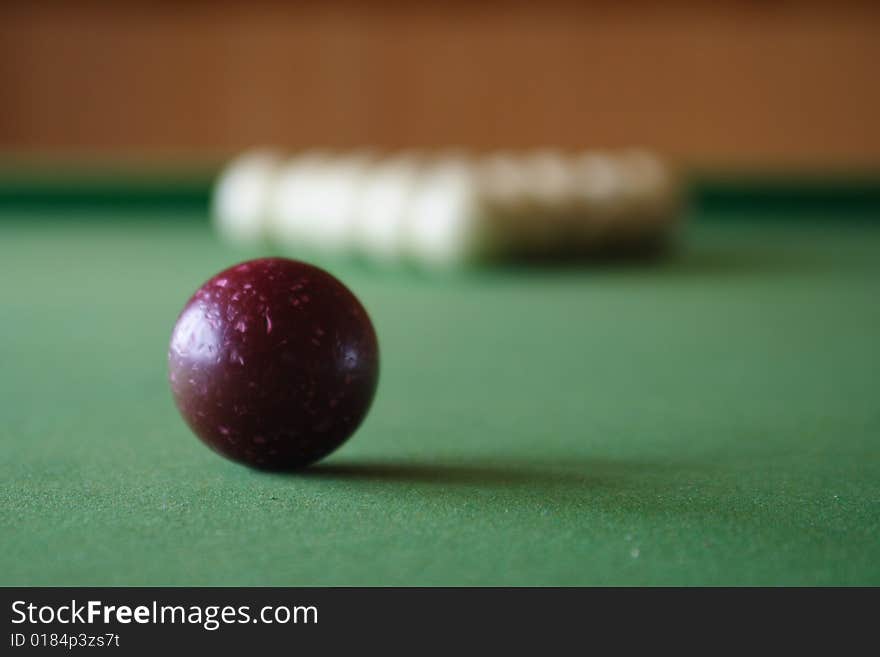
(730, 85)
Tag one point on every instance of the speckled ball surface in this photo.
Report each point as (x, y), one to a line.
(273, 363)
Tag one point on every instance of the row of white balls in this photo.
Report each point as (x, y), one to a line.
(442, 209)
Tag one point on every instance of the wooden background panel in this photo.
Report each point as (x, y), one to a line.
(732, 83)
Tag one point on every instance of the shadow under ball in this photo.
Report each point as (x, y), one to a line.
(273, 363)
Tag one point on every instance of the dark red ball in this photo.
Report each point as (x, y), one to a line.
(273, 363)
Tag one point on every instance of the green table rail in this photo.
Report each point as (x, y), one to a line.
(188, 189)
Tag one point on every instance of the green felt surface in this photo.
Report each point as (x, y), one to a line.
(714, 420)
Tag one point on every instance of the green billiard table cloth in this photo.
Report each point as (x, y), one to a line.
(713, 419)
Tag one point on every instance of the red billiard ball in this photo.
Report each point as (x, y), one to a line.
(273, 363)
